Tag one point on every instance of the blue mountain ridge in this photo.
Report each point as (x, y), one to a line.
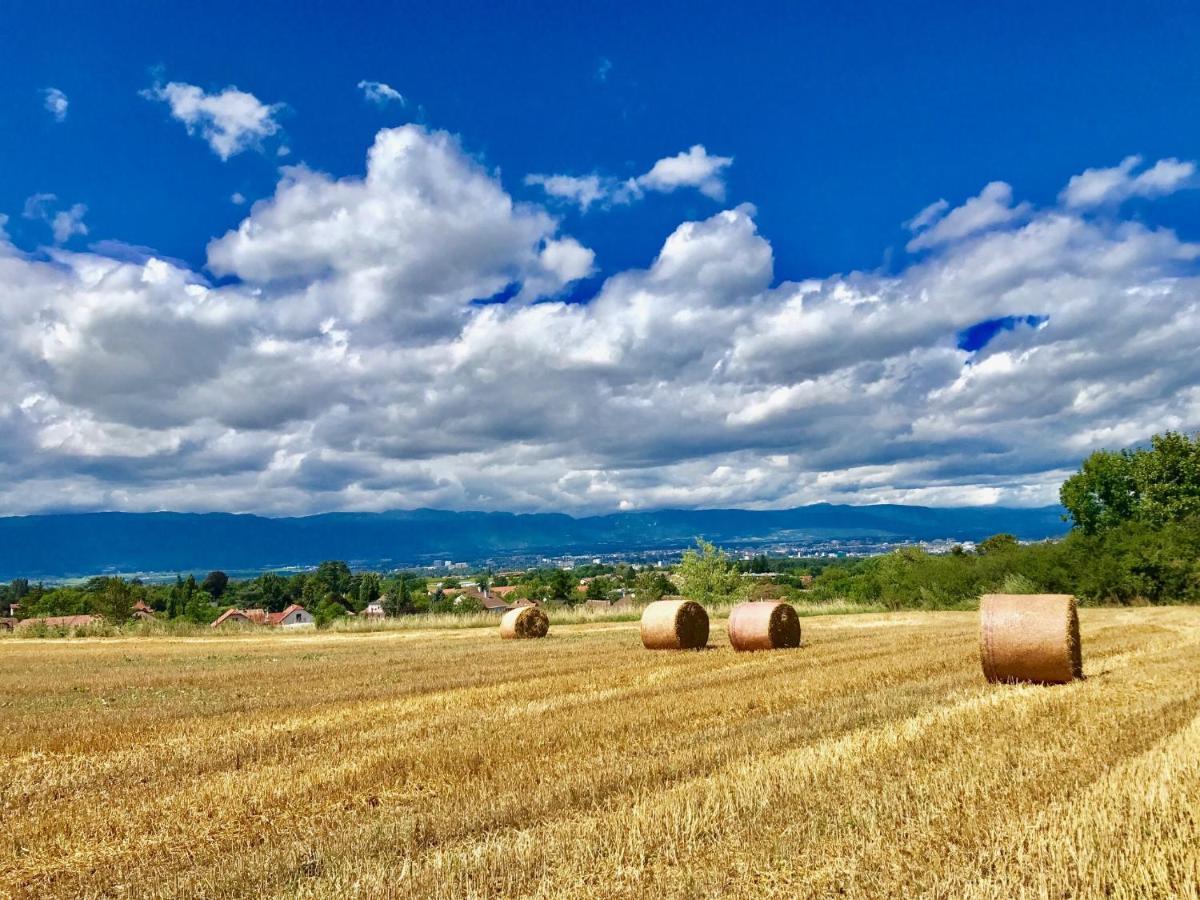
(59, 545)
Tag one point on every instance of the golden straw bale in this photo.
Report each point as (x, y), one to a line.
(1030, 637)
(524, 622)
(674, 625)
(764, 625)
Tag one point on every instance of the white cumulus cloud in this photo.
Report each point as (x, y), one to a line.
(230, 120)
(379, 93)
(56, 103)
(1096, 187)
(359, 355)
(582, 190)
(993, 206)
(693, 168)
(64, 223)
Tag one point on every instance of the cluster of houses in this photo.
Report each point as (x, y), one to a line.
(295, 616)
(496, 600)
(140, 611)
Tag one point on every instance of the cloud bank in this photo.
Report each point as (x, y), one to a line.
(400, 338)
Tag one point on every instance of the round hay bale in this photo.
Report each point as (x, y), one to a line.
(764, 625)
(524, 622)
(674, 625)
(1029, 638)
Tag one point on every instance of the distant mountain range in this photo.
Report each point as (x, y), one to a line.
(49, 546)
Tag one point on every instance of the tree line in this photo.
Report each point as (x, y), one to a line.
(1135, 537)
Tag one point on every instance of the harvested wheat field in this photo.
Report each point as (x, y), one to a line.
(874, 761)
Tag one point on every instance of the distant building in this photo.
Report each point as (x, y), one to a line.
(494, 604)
(374, 610)
(231, 617)
(295, 616)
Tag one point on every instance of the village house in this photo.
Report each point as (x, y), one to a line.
(493, 603)
(375, 609)
(295, 616)
(231, 617)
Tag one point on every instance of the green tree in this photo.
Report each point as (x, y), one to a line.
(369, 588)
(215, 583)
(561, 587)
(327, 612)
(652, 585)
(1102, 494)
(599, 588)
(332, 578)
(115, 601)
(707, 574)
(1157, 485)
(997, 543)
(1167, 477)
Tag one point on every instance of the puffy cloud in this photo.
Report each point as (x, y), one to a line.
(348, 363)
(582, 190)
(68, 222)
(1096, 187)
(992, 207)
(691, 168)
(406, 248)
(55, 103)
(231, 121)
(63, 223)
(379, 93)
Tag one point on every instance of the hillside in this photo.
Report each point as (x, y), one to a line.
(67, 544)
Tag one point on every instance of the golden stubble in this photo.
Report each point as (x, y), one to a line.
(872, 761)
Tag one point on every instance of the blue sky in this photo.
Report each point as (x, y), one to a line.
(837, 127)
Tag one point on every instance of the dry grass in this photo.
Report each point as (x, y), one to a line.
(875, 761)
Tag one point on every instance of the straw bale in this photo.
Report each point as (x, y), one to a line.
(674, 625)
(764, 625)
(524, 622)
(1029, 638)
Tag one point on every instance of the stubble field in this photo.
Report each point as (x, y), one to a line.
(874, 761)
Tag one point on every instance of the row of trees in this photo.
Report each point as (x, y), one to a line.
(1135, 537)
(331, 591)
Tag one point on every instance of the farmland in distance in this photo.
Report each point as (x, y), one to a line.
(873, 761)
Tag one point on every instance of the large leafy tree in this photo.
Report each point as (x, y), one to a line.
(1155, 486)
(708, 575)
(215, 583)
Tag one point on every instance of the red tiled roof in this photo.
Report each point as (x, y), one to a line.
(257, 616)
(230, 615)
(277, 618)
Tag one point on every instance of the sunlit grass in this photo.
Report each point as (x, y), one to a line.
(436, 761)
